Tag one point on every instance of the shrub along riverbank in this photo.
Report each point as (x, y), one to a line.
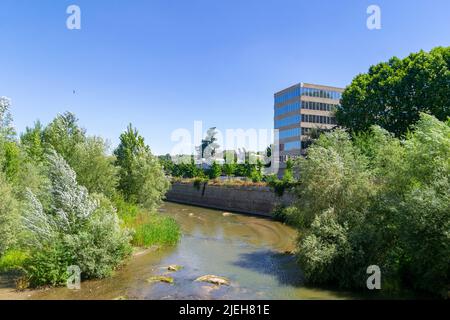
(373, 199)
(67, 202)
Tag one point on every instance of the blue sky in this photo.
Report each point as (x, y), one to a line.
(162, 64)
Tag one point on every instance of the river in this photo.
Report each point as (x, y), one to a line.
(250, 251)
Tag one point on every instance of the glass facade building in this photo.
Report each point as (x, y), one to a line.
(300, 108)
(287, 121)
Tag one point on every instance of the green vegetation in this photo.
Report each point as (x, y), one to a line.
(156, 230)
(148, 228)
(229, 169)
(251, 168)
(393, 94)
(12, 260)
(142, 179)
(65, 201)
(215, 171)
(374, 199)
(281, 185)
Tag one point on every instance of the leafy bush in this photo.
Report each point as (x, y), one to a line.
(378, 200)
(48, 265)
(78, 230)
(279, 186)
(12, 260)
(323, 251)
(288, 215)
(9, 216)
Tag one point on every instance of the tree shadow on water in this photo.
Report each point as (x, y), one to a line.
(281, 266)
(285, 269)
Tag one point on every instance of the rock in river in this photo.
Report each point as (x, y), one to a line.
(214, 280)
(160, 279)
(174, 267)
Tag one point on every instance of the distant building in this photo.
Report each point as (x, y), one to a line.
(300, 108)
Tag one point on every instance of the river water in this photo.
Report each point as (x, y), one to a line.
(250, 251)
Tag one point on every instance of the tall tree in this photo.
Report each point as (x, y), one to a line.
(392, 94)
(32, 141)
(63, 134)
(6, 128)
(141, 175)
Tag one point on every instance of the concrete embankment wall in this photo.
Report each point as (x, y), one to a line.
(245, 199)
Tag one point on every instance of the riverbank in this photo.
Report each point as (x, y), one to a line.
(8, 290)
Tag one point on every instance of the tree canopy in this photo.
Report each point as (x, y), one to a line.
(393, 94)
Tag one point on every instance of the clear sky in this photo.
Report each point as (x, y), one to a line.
(162, 64)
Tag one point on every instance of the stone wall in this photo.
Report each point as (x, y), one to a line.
(245, 199)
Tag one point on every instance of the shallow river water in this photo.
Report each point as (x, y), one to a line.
(248, 250)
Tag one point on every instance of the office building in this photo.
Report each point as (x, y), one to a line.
(300, 108)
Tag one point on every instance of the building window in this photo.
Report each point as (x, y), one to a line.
(293, 93)
(288, 108)
(295, 132)
(294, 145)
(287, 121)
(312, 118)
(321, 93)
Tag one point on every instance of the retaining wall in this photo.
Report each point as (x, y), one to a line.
(245, 199)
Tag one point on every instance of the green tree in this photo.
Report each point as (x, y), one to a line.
(6, 128)
(188, 168)
(393, 94)
(167, 163)
(215, 171)
(63, 134)
(229, 168)
(95, 169)
(141, 176)
(131, 143)
(149, 184)
(11, 161)
(32, 142)
(87, 156)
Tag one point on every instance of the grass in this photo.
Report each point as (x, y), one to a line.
(154, 229)
(149, 228)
